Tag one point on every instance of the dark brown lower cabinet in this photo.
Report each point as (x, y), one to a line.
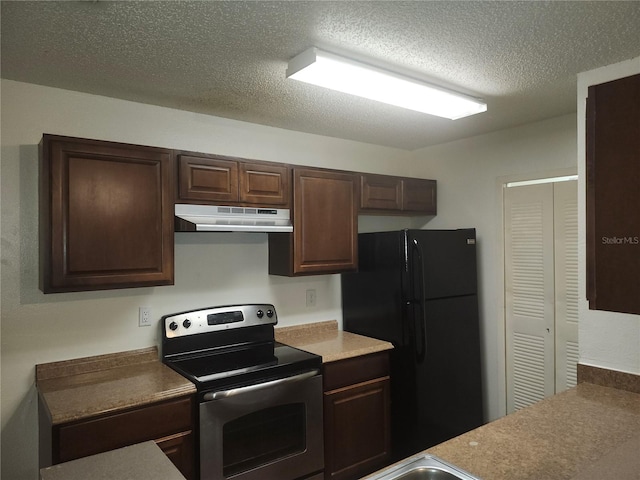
(179, 448)
(169, 423)
(356, 416)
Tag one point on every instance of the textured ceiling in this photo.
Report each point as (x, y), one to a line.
(228, 58)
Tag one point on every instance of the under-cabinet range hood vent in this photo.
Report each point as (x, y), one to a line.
(218, 218)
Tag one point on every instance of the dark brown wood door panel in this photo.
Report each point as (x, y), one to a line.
(357, 434)
(389, 195)
(325, 221)
(265, 184)
(419, 195)
(106, 215)
(380, 192)
(613, 195)
(179, 448)
(207, 178)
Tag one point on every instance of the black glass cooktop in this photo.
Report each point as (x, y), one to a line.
(244, 365)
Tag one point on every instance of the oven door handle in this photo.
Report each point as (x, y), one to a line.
(259, 386)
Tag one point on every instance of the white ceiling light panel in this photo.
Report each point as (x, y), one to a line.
(348, 76)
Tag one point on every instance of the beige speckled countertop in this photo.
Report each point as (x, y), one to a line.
(143, 461)
(85, 387)
(324, 338)
(577, 434)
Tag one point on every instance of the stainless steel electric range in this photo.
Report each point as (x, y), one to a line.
(260, 402)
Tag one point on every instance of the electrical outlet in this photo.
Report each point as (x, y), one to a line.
(144, 317)
(311, 297)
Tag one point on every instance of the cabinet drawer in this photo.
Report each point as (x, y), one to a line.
(121, 429)
(355, 370)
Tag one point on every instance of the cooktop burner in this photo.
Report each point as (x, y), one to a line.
(219, 347)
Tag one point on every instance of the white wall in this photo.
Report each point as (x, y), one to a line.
(211, 269)
(470, 173)
(607, 339)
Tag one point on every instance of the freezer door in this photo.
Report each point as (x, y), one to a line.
(443, 263)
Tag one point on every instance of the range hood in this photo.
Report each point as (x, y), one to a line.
(221, 218)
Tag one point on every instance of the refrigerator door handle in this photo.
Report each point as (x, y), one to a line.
(422, 326)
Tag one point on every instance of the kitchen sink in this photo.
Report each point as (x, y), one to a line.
(426, 467)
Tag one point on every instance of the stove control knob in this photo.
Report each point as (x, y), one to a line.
(260, 313)
(173, 326)
(186, 323)
(269, 313)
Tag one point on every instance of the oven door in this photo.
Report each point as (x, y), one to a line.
(261, 431)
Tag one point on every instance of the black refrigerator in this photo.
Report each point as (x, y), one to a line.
(418, 290)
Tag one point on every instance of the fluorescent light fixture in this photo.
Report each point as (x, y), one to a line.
(344, 75)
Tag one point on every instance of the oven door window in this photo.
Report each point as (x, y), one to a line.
(263, 437)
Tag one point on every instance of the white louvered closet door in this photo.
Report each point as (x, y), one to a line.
(540, 290)
(529, 294)
(565, 201)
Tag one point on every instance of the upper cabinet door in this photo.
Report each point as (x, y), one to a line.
(613, 195)
(389, 195)
(419, 195)
(325, 221)
(220, 180)
(106, 215)
(325, 226)
(380, 192)
(207, 178)
(265, 184)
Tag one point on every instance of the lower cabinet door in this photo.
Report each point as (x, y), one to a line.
(357, 433)
(179, 448)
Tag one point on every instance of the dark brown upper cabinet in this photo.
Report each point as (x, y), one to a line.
(207, 178)
(215, 179)
(325, 226)
(106, 215)
(419, 196)
(389, 195)
(265, 184)
(613, 195)
(107, 210)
